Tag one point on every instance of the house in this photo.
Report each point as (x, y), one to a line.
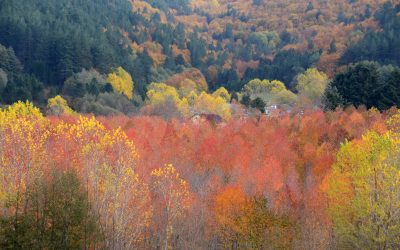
(213, 118)
(278, 110)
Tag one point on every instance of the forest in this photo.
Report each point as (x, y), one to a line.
(192, 124)
(71, 48)
(323, 180)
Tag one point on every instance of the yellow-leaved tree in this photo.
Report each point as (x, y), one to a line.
(164, 100)
(168, 101)
(173, 193)
(20, 110)
(223, 93)
(122, 82)
(58, 106)
(270, 92)
(213, 104)
(23, 139)
(187, 86)
(312, 84)
(120, 198)
(364, 193)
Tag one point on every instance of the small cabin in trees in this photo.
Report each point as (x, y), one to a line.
(207, 117)
(278, 109)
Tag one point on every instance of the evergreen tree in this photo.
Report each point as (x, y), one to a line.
(57, 216)
(365, 83)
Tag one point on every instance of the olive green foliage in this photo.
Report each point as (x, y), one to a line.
(105, 104)
(86, 82)
(311, 85)
(269, 92)
(58, 106)
(56, 216)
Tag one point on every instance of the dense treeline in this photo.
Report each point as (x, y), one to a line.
(15, 84)
(285, 182)
(56, 43)
(365, 83)
(368, 82)
(54, 39)
(382, 46)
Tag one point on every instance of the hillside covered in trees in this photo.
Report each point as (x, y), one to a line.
(200, 124)
(72, 47)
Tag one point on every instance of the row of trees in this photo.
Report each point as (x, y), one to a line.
(310, 88)
(251, 184)
(186, 94)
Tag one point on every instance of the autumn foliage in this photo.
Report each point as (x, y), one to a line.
(250, 183)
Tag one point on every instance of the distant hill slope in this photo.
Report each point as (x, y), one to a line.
(230, 42)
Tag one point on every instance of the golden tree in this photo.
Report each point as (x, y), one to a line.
(364, 193)
(121, 82)
(121, 199)
(58, 106)
(173, 192)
